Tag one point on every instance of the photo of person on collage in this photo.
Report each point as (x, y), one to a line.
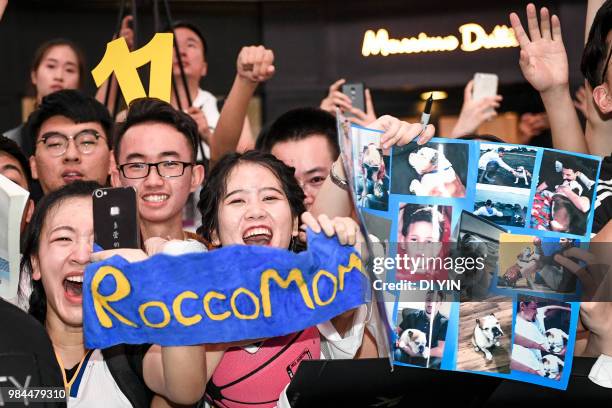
(528, 262)
(506, 165)
(504, 183)
(565, 193)
(421, 331)
(540, 337)
(371, 171)
(423, 235)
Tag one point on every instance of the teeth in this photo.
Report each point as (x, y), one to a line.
(77, 279)
(257, 231)
(155, 198)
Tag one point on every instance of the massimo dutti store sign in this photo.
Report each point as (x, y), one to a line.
(472, 37)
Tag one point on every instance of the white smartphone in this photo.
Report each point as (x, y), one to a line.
(485, 85)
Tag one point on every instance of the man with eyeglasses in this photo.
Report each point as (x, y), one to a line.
(70, 133)
(155, 152)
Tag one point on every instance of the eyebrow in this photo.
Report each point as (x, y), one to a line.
(260, 190)
(11, 167)
(315, 170)
(62, 227)
(141, 156)
(193, 40)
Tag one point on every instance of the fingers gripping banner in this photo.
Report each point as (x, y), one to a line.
(230, 294)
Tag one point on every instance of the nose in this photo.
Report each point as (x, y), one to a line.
(153, 179)
(255, 211)
(72, 153)
(82, 252)
(309, 199)
(58, 73)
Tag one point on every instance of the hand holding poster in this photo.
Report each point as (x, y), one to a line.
(203, 298)
(511, 209)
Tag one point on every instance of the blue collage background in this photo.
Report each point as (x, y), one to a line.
(458, 205)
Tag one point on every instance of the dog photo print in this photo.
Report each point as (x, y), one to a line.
(506, 165)
(485, 332)
(541, 339)
(421, 329)
(527, 262)
(435, 169)
(565, 193)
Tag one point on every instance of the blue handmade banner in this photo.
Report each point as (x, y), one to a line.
(230, 294)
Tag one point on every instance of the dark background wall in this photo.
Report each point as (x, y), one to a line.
(315, 42)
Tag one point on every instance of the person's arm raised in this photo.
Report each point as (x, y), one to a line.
(254, 65)
(474, 112)
(598, 126)
(336, 201)
(543, 61)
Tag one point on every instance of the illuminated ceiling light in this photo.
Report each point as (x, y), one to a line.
(437, 95)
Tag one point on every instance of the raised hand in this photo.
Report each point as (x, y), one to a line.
(255, 63)
(543, 59)
(336, 98)
(345, 228)
(474, 112)
(126, 31)
(400, 133)
(364, 118)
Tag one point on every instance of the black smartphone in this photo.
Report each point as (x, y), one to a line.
(355, 91)
(116, 218)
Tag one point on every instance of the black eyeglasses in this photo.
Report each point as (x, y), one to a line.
(605, 71)
(56, 143)
(166, 169)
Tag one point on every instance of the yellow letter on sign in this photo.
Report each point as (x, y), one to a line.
(124, 64)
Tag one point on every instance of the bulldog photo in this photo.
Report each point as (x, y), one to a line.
(556, 339)
(551, 366)
(416, 341)
(486, 335)
(438, 178)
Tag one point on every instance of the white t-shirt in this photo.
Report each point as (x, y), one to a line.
(94, 386)
(483, 211)
(533, 331)
(207, 103)
(492, 156)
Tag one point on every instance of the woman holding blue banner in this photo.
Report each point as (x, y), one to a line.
(253, 199)
(57, 248)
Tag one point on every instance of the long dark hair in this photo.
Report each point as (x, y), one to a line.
(216, 183)
(31, 240)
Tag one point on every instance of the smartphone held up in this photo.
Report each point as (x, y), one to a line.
(116, 218)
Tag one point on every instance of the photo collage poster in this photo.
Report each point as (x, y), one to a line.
(515, 207)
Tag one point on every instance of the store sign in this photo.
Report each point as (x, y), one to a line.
(473, 38)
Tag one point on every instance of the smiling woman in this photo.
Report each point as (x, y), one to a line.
(57, 247)
(254, 199)
(251, 199)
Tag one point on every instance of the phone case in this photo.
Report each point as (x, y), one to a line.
(116, 218)
(355, 91)
(485, 85)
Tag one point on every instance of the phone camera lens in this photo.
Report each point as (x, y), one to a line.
(98, 193)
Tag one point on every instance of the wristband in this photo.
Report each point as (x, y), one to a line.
(342, 183)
